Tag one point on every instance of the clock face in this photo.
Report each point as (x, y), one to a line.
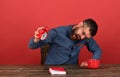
(44, 36)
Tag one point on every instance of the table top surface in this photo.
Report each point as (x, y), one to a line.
(105, 70)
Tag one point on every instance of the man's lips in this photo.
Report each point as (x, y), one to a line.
(77, 37)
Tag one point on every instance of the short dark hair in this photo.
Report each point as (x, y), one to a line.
(92, 24)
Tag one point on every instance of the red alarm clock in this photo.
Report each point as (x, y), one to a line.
(93, 63)
(42, 33)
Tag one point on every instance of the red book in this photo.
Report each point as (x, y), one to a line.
(57, 70)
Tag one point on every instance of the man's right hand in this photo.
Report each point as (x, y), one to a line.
(91, 63)
(84, 64)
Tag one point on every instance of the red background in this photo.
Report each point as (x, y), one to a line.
(20, 18)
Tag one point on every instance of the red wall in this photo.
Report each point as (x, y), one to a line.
(20, 18)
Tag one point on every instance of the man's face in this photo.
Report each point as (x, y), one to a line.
(80, 32)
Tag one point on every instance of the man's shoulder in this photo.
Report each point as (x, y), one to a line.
(89, 40)
(63, 27)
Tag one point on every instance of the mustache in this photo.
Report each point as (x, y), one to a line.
(77, 36)
(74, 34)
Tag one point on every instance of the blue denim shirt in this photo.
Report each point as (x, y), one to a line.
(62, 49)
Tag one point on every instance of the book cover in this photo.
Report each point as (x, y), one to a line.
(57, 70)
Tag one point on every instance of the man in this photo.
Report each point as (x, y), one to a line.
(66, 41)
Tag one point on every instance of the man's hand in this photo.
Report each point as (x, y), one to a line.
(91, 63)
(84, 64)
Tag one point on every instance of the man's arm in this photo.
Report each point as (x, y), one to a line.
(36, 43)
(94, 48)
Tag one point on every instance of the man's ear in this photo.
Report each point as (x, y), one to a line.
(80, 24)
(75, 26)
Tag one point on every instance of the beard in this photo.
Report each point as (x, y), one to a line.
(74, 35)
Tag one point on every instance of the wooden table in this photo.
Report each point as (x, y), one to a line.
(72, 71)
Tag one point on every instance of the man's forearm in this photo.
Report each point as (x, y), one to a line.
(97, 54)
(33, 43)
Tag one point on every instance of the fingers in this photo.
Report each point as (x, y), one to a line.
(40, 28)
(91, 63)
(35, 34)
(84, 64)
(39, 33)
